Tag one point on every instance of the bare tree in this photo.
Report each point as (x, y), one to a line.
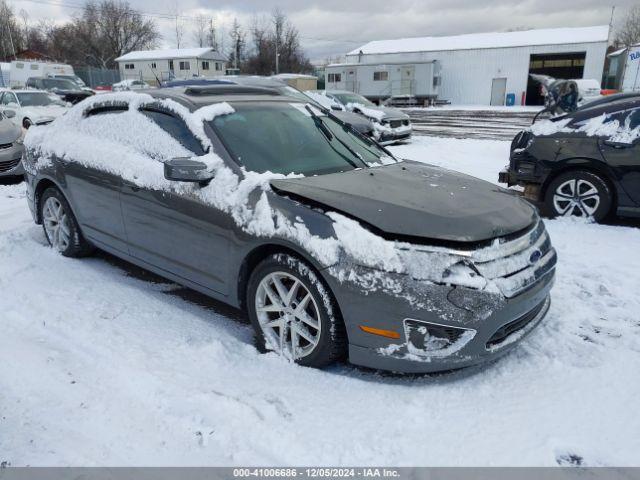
(10, 34)
(178, 25)
(200, 32)
(238, 44)
(629, 32)
(212, 37)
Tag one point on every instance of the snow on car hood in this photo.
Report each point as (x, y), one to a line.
(9, 132)
(41, 112)
(379, 113)
(411, 199)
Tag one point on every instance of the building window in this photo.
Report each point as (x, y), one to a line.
(218, 66)
(128, 66)
(380, 76)
(334, 77)
(205, 65)
(185, 66)
(34, 66)
(153, 65)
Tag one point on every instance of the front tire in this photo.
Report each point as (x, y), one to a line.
(293, 313)
(578, 193)
(60, 225)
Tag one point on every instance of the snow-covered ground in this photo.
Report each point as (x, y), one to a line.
(103, 365)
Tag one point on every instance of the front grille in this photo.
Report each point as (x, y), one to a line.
(515, 326)
(395, 123)
(10, 165)
(515, 264)
(4, 146)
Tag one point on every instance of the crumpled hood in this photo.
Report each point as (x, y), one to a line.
(9, 132)
(417, 200)
(392, 113)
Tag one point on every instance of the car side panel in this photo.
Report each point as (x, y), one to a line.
(625, 162)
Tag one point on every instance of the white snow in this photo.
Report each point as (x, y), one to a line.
(474, 41)
(100, 366)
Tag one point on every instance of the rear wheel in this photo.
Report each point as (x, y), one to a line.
(293, 313)
(578, 193)
(60, 225)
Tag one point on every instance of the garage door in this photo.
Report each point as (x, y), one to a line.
(557, 65)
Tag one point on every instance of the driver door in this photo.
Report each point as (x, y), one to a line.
(172, 229)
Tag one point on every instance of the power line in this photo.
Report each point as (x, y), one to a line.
(169, 16)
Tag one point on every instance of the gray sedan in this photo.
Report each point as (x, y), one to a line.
(334, 248)
(11, 148)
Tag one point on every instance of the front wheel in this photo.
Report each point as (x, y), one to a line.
(578, 193)
(60, 225)
(293, 313)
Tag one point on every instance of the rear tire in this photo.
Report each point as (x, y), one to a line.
(578, 193)
(293, 313)
(60, 225)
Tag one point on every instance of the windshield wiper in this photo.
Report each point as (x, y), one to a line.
(323, 127)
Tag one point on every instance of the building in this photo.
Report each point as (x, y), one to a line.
(484, 68)
(299, 81)
(623, 72)
(155, 66)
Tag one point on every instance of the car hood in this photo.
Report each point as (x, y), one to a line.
(411, 199)
(391, 112)
(50, 111)
(361, 124)
(9, 132)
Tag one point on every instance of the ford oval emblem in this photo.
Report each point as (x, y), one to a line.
(535, 256)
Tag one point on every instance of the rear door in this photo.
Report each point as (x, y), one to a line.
(624, 157)
(94, 192)
(171, 228)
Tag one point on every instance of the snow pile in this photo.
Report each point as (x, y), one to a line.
(323, 100)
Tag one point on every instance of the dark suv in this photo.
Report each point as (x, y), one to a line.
(263, 201)
(66, 89)
(583, 164)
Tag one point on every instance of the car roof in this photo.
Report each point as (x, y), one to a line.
(604, 108)
(198, 96)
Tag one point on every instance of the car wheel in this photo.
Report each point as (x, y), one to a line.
(26, 123)
(578, 193)
(60, 225)
(293, 313)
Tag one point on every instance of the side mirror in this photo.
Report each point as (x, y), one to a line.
(186, 170)
(336, 107)
(9, 113)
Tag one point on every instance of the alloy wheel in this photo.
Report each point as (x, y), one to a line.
(576, 197)
(56, 224)
(288, 315)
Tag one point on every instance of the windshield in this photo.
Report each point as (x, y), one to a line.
(37, 99)
(59, 83)
(346, 98)
(285, 138)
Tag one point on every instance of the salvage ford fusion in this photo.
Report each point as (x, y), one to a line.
(334, 248)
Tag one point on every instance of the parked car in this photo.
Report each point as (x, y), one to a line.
(359, 123)
(11, 148)
(582, 164)
(31, 107)
(76, 80)
(126, 85)
(65, 89)
(333, 247)
(390, 125)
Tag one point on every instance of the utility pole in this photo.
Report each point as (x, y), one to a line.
(613, 10)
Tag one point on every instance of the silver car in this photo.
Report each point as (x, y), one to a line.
(11, 148)
(390, 125)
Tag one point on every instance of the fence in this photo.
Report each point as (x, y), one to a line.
(95, 77)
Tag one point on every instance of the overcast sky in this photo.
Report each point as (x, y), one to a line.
(334, 27)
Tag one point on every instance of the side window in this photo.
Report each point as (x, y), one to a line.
(104, 109)
(8, 98)
(634, 119)
(176, 128)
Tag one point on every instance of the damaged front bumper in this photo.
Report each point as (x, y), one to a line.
(429, 327)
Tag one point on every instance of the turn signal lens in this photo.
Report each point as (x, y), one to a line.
(380, 332)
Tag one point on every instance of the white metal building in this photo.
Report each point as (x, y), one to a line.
(154, 66)
(484, 68)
